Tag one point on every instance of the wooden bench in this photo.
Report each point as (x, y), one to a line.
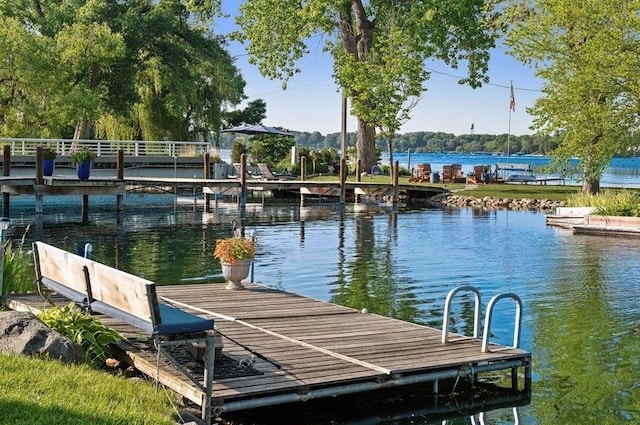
(102, 289)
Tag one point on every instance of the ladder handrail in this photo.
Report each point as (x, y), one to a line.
(447, 310)
(516, 418)
(489, 315)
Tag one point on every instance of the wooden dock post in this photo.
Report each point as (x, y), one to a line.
(39, 172)
(358, 178)
(39, 181)
(242, 199)
(394, 182)
(120, 176)
(343, 179)
(303, 175)
(6, 168)
(120, 165)
(85, 208)
(207, 175)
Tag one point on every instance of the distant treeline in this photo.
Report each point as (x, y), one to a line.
(426, 141)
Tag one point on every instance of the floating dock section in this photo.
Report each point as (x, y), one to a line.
(301, 349)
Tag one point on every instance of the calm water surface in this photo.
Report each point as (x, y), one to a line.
(581, 315)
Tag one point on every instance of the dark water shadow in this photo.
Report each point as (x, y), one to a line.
(398, 406)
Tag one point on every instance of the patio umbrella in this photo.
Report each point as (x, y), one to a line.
(256, 129)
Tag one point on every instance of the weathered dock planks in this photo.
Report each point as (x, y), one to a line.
(315, 349)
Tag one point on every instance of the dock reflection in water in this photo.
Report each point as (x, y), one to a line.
(412, 405)
(580, 293)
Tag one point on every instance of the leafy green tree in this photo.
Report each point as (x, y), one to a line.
(135, 69)
(586, 52)
(23, 80)
(271, 149)
(237, 150)
(379, 50)
(254, 113)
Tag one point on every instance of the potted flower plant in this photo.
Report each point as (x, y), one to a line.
(83, 159)
(48, 161)
(236, 256)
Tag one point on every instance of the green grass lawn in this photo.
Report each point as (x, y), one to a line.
(519, 191)
(43, 391)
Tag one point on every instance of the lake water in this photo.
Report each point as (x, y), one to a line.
(581, 302)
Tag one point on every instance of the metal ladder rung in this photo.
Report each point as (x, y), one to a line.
(447, 311)
(489, 316)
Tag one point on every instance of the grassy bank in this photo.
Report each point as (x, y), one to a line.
(517, 191)
(610, 201)
(42, 391)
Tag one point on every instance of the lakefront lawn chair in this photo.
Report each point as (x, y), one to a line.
(447, 174)
(422, 173)
(267, 174)
(478, 175)
(458, 175)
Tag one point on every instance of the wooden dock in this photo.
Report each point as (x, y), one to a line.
(118, 184)
(70, 185)
(582, 220)
(307, 349)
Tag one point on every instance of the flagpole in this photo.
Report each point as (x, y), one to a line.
(509, 135)
(512, 108)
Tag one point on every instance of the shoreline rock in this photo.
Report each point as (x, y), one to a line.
(489, 202)
(23, 333)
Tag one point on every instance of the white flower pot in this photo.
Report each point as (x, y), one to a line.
(235, 273)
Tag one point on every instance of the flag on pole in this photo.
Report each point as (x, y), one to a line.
(512, 100)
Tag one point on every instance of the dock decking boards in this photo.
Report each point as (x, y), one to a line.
(314, 349)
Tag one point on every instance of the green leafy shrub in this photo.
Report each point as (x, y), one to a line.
(237, 149)
(89, 332)
(82, 155)
(19, 276)
(609, 202)
(48, 153)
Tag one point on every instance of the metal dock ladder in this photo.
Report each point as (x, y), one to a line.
(487, 324)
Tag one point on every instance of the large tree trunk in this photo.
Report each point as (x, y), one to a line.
(590, 186)
(592, 172)
(82, 132)
(84, 128)
(356, 33)
(365, 145)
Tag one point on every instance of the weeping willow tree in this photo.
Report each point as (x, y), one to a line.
(140, 70)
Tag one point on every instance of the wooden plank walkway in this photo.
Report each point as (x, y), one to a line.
(314, 349)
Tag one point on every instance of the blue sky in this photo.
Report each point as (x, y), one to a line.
(312, 101)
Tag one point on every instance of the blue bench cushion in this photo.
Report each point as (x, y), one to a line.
(173, 321)
(176, 321)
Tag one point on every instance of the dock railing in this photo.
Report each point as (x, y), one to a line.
(27, 146)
